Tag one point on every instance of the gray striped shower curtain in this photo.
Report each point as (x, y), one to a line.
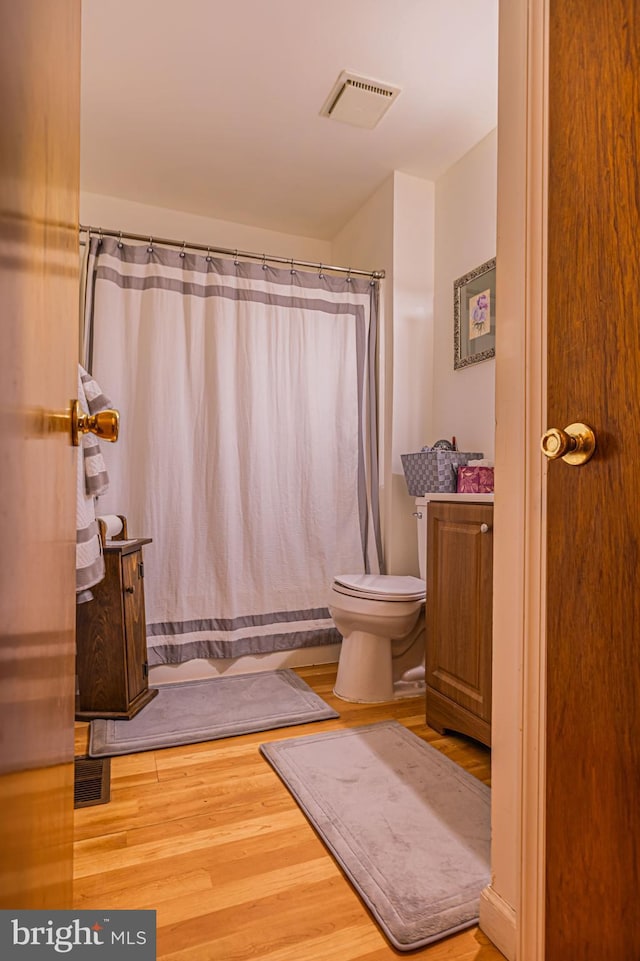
(247, 448)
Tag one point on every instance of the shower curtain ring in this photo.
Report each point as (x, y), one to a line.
(349, 276)
(184, 244)
(292, 267)
(264, 261)
(99, 236)
(235, 259)
(150, 247)
(209, 255)
(320, 274)
(120, 244)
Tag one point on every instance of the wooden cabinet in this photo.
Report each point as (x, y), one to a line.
(459, 618)
(111, 642)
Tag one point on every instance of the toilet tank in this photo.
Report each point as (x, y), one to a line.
(420, 515)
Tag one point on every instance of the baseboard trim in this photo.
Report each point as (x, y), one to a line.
(200, 669)
(498, 921)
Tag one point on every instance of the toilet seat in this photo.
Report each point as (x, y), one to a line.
(380, 587)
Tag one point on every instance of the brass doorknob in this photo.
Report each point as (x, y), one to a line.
(105, 424)
(575, 444)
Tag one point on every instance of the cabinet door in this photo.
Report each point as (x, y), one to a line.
(134, 624)
(101, 657)
(459, 604)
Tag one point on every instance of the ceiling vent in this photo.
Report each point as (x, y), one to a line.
(358, 101)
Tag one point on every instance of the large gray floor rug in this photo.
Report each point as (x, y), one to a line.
(410, 828)
(193, 711)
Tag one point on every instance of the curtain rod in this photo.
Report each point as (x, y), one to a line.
(100, 231)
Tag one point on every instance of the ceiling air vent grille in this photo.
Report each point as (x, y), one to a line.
(358, 100)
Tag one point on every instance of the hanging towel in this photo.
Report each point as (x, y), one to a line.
(92, 480)
(96, 478)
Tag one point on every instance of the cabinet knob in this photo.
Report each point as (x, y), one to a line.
(484, 528)
(129, 590)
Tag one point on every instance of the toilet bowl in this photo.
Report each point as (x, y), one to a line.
(381, 619)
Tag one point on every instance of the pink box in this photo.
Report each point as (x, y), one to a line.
(475, 480)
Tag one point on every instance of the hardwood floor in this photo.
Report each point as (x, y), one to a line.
(209, 837)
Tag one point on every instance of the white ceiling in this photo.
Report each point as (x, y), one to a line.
(212, 107)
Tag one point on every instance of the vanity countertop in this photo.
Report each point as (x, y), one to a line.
(453, 496)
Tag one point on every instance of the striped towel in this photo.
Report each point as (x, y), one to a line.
(92, 480)
(95, 473)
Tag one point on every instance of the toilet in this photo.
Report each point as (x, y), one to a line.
(381, 619)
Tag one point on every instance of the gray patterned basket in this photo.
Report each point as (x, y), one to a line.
(430, 471)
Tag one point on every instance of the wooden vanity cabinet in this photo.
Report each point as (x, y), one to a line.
(459, 618)
(111, 642)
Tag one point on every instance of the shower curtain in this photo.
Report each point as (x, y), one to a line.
(247, 447)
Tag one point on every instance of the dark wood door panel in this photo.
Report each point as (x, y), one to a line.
(593, 536)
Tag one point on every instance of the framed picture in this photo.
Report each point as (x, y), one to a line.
(474, 315)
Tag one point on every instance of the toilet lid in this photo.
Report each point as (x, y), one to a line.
(384, 587)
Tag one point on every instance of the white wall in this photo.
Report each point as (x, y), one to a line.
(413, 359)
(465, 229)
(394, 230)
(114, 213)
(425, 238)
(414, 245)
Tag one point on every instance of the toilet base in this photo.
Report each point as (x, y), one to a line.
(401, 691)
(364, 669)
(367, 673)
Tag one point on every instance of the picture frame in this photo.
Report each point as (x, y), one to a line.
(474, 315)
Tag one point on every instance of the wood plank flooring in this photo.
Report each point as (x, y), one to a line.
(209, 837)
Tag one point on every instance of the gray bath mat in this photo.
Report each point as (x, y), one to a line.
(193, 711)
(410, 828)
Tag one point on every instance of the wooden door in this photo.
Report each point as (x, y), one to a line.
(39, 171)
(593, 563)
